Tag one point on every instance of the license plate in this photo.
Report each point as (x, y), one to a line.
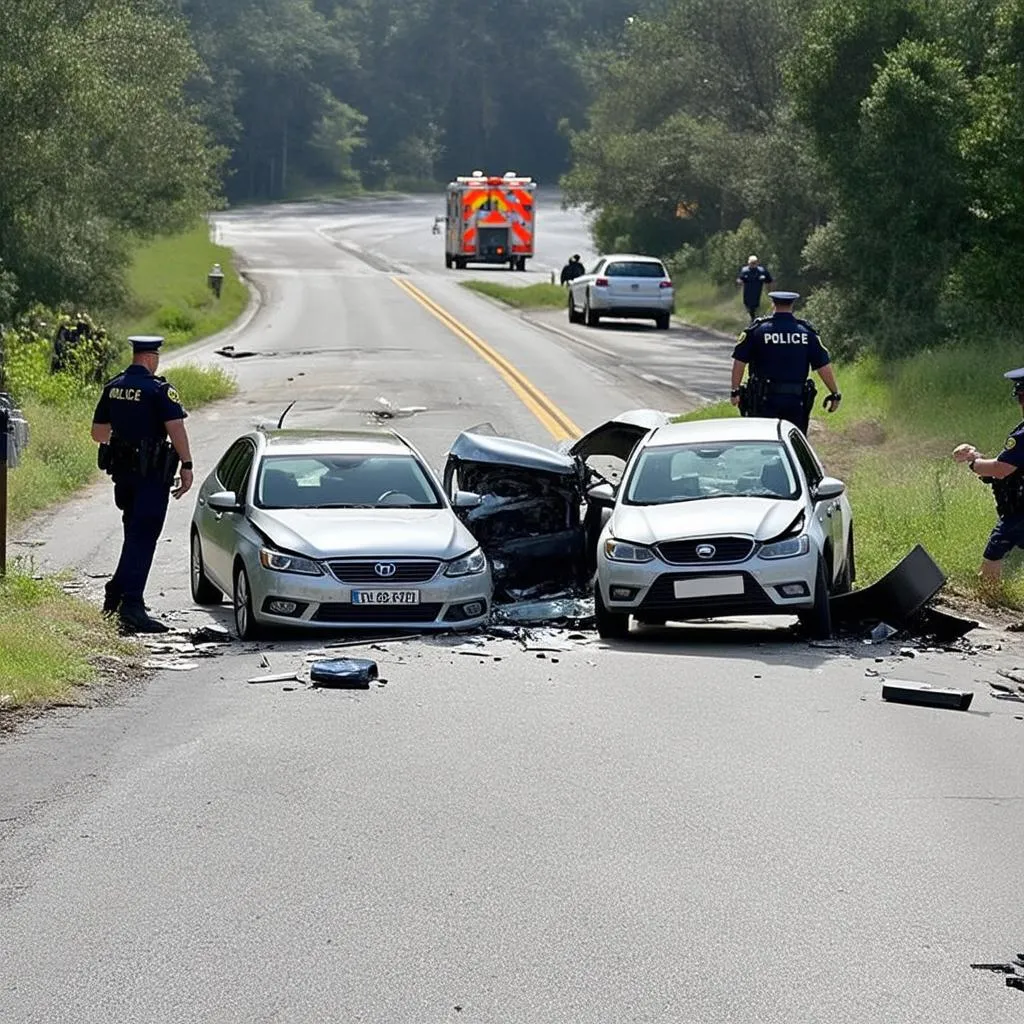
(385, 597)
(715, 586)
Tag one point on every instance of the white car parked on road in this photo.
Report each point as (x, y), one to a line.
(723, 517)
(623, 286)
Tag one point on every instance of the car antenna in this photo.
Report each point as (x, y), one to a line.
(280, 422)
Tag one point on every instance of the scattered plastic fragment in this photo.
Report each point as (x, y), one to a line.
(344, 673)
(278, 677)
(883, 631)
(995, 968)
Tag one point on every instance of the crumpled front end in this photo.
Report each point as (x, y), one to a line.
(528, 523)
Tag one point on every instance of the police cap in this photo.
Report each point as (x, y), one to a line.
(784, 297)
(146, 343)
(1017, 376)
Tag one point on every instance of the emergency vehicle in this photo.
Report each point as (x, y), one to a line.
(489, 220)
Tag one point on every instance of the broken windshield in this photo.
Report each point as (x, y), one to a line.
(735, 469)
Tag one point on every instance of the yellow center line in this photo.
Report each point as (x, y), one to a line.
(558, 425)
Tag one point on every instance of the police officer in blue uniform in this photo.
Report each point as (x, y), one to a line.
(753, 277)
(779, 351)
(1006, 478)
(139, 425)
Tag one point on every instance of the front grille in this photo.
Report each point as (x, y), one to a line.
(395, 613)
(364, 571)
(727, 549)
(661, 598)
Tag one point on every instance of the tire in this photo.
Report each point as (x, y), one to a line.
(448, 262)
(662, 322)
(245, 622)
(590, 318)
(574, 316)
(203, 591)
(610, 625)
(655, 621)
(818, 620)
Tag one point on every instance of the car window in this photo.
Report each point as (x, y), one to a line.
(635, 269)
(234, 467)
(344, 481)
(745, 469)
(807, 459)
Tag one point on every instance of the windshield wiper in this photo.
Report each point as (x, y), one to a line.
(341, 505)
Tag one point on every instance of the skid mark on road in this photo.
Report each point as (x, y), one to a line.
(556, 422)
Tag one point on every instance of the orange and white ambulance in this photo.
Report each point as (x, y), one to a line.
(489, 220)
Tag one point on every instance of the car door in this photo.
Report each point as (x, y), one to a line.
(583, 282)
(828, 511)
(232, 474)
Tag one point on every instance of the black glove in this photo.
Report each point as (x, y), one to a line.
(832, 400)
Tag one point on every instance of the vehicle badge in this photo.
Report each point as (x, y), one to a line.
(705, 551)
(385, 569)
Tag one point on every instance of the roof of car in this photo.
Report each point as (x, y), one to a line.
(337, 442)
(635, 257)
(737, 428)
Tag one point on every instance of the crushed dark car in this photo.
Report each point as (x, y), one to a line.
(534, 521)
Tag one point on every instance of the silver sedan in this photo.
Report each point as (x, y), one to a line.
(333, 529)
(623, 286)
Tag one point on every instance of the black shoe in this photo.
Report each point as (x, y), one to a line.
(135, 620)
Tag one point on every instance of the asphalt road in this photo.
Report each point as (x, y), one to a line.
(703, 825)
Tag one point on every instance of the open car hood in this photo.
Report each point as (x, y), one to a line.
(470, 446)
(619, 436)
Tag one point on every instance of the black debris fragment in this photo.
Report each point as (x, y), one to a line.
(898, 691)
(209, 634)
(897, 597)
(343, 673)
(230, 352)
(995, 968)
(1016, 982)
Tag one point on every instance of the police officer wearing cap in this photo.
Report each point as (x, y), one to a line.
(778, 352)
(140, 426)
(1004, 475)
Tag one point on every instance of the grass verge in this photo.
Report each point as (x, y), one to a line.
(169, 293)
(703, 304)
(61, 456)
(892, 442)
(531, 296)
(51, 642)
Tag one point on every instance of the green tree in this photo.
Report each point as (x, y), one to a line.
(99, 142)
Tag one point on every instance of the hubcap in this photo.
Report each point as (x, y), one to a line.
(197, 563)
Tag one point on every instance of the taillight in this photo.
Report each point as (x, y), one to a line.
(665, 284)
(601, 282)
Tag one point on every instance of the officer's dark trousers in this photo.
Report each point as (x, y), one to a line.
(143, 503)
(786, 407)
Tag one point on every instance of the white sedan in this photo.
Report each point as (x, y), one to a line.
(723, 517)
(623, 286)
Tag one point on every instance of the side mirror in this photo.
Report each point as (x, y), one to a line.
(467, 499)
(224, 501)
(602, 494)
(829, 487)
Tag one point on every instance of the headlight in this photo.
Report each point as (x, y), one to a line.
(623, 551)
(278, 561)
(789, 548)
(468, 565)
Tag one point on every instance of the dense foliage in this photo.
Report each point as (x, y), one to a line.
(870, 151)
